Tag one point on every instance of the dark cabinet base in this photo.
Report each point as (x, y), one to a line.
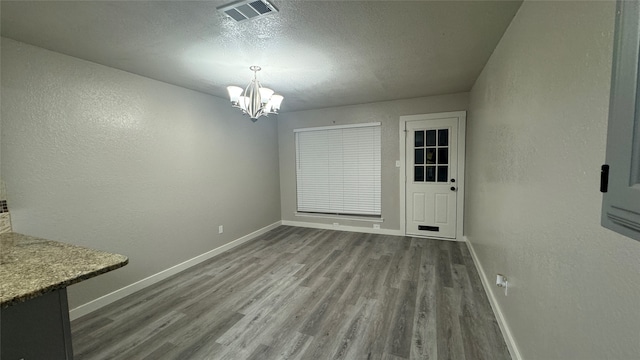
(37, 329)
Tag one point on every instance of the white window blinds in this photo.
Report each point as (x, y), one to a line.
(338, 169)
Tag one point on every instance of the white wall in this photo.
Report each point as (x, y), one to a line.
(110, 160)
(536, 140)
(388, 113)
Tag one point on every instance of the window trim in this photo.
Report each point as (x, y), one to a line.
(370, 218)
(338, 127)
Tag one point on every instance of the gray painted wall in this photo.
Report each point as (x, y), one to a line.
(388, 113)
(110, 160)
(535, 142)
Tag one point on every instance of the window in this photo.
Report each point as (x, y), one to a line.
(338, 169)
(431, 152)
(621, 201)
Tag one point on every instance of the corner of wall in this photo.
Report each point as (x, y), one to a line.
(495, 306)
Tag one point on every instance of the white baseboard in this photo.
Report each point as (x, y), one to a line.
(487, 284)
(359, 229)
(141, 284)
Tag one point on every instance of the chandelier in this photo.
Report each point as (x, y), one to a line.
(255, 100)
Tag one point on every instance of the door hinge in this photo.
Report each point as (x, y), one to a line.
(604, 178)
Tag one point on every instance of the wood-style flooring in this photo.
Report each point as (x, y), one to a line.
(297, 293)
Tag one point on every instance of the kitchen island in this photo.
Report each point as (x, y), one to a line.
(34, 276)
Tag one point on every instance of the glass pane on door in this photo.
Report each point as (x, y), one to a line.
(419, 138)
(431, 174)
(431, 155)
(443, 137)
(443, 173)
(431, 147)
(431, 138)
(443, 156)
(419, 156)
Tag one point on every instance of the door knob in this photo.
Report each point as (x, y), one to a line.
(453, 180)
(453, 188)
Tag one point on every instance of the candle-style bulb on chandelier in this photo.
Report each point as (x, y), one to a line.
(255, 100)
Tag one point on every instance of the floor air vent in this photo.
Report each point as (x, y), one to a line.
(248, 10)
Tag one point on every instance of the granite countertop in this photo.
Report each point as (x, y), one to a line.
(30, 266)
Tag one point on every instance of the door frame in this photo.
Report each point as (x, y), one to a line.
(402, 133)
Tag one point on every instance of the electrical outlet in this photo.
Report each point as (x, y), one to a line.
(376, 226)
(220, 229)
(501, 281)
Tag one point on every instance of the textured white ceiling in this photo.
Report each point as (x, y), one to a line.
(315, 53)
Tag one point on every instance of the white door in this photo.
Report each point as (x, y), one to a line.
(431, 156)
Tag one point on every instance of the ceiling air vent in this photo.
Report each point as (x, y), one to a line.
(248, 9)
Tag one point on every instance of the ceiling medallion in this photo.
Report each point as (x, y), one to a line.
(256, 100)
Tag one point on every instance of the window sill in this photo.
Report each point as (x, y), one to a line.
(341, 217)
